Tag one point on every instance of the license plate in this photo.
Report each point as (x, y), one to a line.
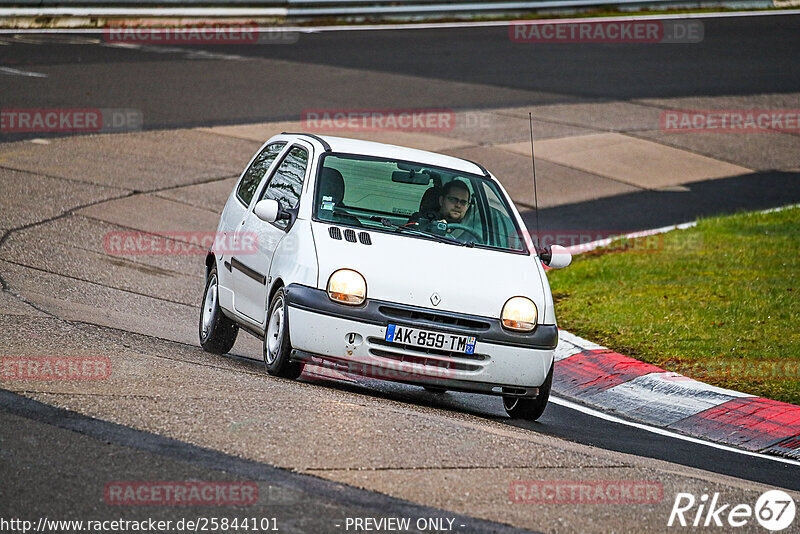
(426, 338)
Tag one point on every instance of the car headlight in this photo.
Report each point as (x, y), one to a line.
(520, 314)
(347, 286)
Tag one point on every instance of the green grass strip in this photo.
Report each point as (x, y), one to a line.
(718, 302)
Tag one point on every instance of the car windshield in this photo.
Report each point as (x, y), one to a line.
(417, 200)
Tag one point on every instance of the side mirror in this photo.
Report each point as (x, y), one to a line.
(269, 210)
(556, 257)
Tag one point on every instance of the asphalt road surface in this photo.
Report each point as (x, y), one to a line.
(458, 68)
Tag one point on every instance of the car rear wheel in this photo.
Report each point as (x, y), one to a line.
(217, 332)
(277, 345)
(530, 409)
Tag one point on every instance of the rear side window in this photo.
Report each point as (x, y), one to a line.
(256, 171)
(286, 183)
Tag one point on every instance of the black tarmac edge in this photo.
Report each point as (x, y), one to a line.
(337, 500)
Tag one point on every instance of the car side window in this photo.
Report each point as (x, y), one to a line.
(503, 232)
(286, 183)
(251, 179)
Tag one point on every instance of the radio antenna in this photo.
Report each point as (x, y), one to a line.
(535, 196)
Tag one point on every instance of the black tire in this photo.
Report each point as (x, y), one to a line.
(435, 389)
(530, 409)
(277, 347)
(217, 332)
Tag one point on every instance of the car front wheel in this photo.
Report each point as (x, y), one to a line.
(217, 332)
(277, 345)
(530, 409)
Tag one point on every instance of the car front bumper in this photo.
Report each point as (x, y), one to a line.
(352, 339)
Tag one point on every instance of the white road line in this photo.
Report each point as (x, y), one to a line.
(233, 12)
(661, 399)
(143, 12)
(494, 23)
(15, 72)
(662, 432)
(189, 53)
(586, 247)
(782, 208)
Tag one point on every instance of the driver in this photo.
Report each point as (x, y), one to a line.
(454, 201)
(453, 206)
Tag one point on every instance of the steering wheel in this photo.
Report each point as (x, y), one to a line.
(468, 229)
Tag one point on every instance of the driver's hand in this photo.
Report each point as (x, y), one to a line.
(438, 226)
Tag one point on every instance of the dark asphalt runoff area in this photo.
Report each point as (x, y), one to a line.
(738, 56)
(189, 86)
(70, 483)
(54, 459)
(566, 423)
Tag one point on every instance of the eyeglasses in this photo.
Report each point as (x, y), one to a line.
(456, 200)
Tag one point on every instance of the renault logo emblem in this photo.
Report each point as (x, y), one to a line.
(435, 299)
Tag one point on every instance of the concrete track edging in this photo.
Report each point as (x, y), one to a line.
(603, 379)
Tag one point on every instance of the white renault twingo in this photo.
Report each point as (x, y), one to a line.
(388, 262)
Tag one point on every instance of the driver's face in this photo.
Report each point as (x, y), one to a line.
(454, 205)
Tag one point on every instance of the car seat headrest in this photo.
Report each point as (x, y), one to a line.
(331, 185)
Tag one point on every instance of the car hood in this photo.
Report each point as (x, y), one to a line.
(409, 270)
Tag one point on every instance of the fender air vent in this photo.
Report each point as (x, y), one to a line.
(350, 235)
(364, 238)
(334, 232)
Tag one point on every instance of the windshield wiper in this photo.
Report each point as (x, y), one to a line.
(342, 211)
(444, 239)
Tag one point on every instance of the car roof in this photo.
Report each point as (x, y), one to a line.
(371, 148)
